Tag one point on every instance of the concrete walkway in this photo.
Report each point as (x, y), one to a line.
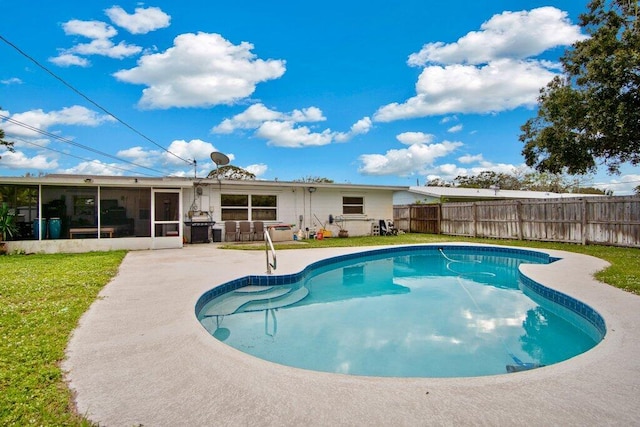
(140, 357)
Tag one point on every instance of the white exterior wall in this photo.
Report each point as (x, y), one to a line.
(295, 202)
(296, 206)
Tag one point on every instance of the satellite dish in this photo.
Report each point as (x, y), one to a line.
(219, 159)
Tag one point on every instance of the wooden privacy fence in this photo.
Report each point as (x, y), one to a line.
(588, 220)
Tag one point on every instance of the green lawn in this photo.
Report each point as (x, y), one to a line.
(43, 296)
(41, 300)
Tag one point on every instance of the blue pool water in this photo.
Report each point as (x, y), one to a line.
(404, 312)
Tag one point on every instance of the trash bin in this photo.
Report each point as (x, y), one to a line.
(54, 228)
(217, 234)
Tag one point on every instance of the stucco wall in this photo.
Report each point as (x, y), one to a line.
(301, 208)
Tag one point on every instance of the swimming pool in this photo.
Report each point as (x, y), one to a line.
(419, 311)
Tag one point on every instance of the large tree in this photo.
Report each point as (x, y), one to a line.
(232, 173)
(591, 114)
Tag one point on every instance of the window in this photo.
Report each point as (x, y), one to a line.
(22, 201)
(244, 207)
(352, 205)
(235, 207)
(264, 208)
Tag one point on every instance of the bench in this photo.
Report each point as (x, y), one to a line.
(91, 230)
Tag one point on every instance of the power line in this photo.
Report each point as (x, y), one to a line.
(90, 100)
(75, 144)
(74, 156)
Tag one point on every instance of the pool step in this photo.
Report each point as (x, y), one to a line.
(231, 302)
(253, 289)
(255, 298)
(287, 299)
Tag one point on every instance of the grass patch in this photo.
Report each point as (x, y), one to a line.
(624, 272)
(41, 300)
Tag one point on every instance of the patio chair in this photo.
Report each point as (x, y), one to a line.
(245, 230)
(258, 230)
(230, 232)
(387, 229)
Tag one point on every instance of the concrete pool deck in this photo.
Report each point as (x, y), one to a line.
(140, 357)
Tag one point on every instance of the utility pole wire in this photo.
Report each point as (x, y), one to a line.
(23, 53)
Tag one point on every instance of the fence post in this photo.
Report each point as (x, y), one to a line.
(584, 221)
(474, 219)
(519, 218)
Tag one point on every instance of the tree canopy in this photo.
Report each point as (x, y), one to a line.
(535, 181)
(591, 114)
(232, 173)
(314, 179)
(7, 144)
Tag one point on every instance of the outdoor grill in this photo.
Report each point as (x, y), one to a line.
(199, 229)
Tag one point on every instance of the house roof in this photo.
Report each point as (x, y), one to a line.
(183, 182)
(487, 193)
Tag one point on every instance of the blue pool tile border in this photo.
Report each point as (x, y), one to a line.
(576, 306)
(583, 310)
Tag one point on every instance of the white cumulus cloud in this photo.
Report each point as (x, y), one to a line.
(624, 185)
(19, 160)
(89, 29)
(200, 70)
(406, 161)
(40, 120)
(142, 21)
(188, 150)
(515, 35)
(69, 59)
(360, 127)
(95, 167)
(100, 35)
(256, 114)
(140, 156)
(455, 129)
(468, 158)
(501, 85)
(195, 149)
(284, 129)
(286, 134)
(11, 81)
(105, 47)
(410, 138)
(258, 169)
(486, 71)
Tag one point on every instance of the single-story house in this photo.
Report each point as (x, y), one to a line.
(417, 195)
(73, 213)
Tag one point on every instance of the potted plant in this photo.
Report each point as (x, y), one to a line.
(342, 232)
(8, 227)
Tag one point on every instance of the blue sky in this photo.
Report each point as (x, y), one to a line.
(359, 92)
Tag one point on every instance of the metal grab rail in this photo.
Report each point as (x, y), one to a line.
(269, 244)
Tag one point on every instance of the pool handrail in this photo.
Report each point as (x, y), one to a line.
(269, 245)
